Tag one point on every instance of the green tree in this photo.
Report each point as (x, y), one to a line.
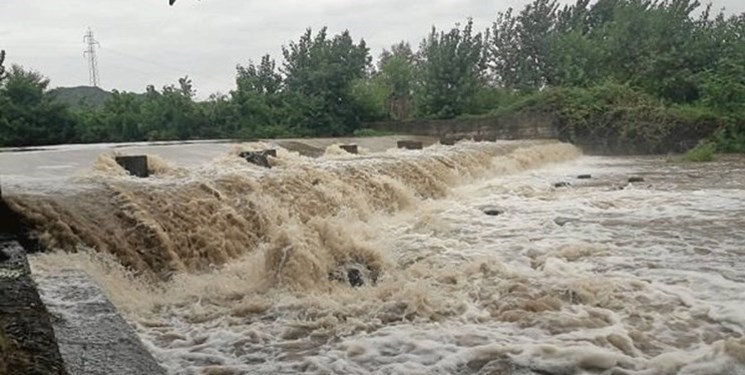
(257, 99)
(396, 70)
(372, 97)
(171, 113)
(451, 68)
(520, 49)
(123, 118)
(321, 71)
(28, 113)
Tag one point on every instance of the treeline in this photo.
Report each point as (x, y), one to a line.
(651, 61)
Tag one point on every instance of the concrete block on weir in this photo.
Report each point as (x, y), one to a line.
(410, 145)
(448, 141)
(352, 149)
(135, 165)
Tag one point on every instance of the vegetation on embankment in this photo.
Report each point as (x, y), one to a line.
(625, 74)
(703, 152)
(619, 119)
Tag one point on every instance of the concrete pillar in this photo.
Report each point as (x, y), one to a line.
(410, 145)
(447, 141)
(135, 165)
(352, 149)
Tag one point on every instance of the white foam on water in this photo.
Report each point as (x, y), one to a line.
(584, 279)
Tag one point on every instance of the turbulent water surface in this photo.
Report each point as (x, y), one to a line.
(227, 268)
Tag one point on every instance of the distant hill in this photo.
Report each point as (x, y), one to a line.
(81, 96)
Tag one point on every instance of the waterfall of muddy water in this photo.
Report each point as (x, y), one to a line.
(223, 267)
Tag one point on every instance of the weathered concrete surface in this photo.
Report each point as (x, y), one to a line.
(599, 139)
(410, 145)
(136, 165)
(520, 126)
(93, 338)
(352, 149)
(27, 342)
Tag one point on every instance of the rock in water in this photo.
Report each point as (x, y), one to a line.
(258, 158)
(561, 221)
(584, 177)
(355, 277)
(492, 211)
(562, 184)
(355, 274)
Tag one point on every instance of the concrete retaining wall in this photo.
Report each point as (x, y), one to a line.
(93, 338)
(520, 126)
(27, 341)
(643, 138)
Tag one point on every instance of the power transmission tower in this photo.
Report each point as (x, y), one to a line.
(90, 52)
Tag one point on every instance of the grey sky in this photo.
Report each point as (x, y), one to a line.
(147, 42)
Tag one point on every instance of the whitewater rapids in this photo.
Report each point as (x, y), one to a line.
(226, 268)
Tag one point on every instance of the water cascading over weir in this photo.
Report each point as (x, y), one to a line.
(292, 219)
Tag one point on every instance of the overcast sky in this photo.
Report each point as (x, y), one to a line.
(147, 42)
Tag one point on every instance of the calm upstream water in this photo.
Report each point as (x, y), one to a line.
(226, 268)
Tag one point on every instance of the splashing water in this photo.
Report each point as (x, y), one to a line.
(226, 268)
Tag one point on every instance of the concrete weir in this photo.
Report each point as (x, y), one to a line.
(92, 337)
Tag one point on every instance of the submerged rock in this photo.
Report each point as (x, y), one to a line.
(561, 221)
(492, 211)
(355, 274)
(258, 157)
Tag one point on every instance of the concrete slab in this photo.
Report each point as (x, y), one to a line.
(93, 338)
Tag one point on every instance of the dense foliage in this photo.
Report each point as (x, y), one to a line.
(636, 68)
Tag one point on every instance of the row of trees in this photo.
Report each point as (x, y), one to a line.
(672, 50)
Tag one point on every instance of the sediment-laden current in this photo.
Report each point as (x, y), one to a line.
(224, 267)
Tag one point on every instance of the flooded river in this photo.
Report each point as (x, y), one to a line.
(224, 267)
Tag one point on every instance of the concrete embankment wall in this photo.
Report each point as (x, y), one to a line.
(27, 340)
(83, 335)
(600, 139)
(521, 126)
(92, 337)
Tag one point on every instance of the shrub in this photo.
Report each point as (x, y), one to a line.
(704, 152)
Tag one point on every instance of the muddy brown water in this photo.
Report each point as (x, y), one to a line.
(226, 268)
